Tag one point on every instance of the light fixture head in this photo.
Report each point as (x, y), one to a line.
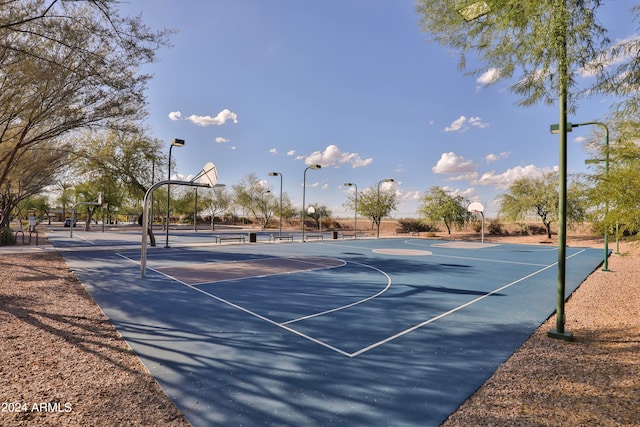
(555, 128)
(177, 142)
(472, 9)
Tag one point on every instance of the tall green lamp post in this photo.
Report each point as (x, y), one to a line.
(473, 9)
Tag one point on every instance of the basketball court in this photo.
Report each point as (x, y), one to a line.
(336, 332)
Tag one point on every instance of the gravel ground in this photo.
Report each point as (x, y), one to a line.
(63, 364)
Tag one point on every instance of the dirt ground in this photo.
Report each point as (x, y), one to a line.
(62, 363)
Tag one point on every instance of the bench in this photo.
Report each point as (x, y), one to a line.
(221, 238)
(408, 233)
(281, 237)
(314, 236)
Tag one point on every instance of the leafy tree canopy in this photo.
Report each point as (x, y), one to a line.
(440, 206)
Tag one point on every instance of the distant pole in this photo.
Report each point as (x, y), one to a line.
(379, 210)
(280, 215)
(174, 143)
(195, 212)
(304, 189)
(606, 212)
(355, 210)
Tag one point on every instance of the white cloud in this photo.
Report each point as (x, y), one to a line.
(471, 176)
(332, 156)
(462, 123)
(488, 77)
(414, 195)
(291, 153)
(505, 179)
(273, 151)
(175, 115)
(469, 193)
(477, 122)
(456, 125)
(490, 158)
(222, 117)
(451, 163)
(221, 140)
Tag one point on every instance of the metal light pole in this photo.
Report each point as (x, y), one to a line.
(563, 70)
(473, 9)
(554, 129)
(195, 211)
(379, 213)
(304, 189)
(355, 211)
(153, 178)
(280, 215)
(174, 143)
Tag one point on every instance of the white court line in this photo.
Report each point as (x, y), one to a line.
(376, 344)
(82, 238)
(386, 288)
(318, 267)
(252, 313)
(478, 259)
(453, 310)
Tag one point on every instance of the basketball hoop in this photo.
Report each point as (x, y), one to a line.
(475, 208)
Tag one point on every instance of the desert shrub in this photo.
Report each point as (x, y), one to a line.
(495, 227)
(411, 225)
(6, 237)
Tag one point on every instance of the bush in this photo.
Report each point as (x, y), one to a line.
(6, 237)
(415, 226)
(495, 227)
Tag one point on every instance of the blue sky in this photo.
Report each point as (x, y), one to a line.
(256, 86)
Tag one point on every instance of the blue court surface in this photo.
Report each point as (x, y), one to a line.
(367, 332)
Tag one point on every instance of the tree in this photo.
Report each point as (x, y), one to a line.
(33, 171)
(65, 197)
(87, 194)
(438, 205)
(538, 197)
(319, 213)
(527, 42)
(215, 203)
(622, 79)
(132, 158)
(289, 212)
(67, 66)
(613, 195)
(39, 205)
(253, 195)
(373, 204)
